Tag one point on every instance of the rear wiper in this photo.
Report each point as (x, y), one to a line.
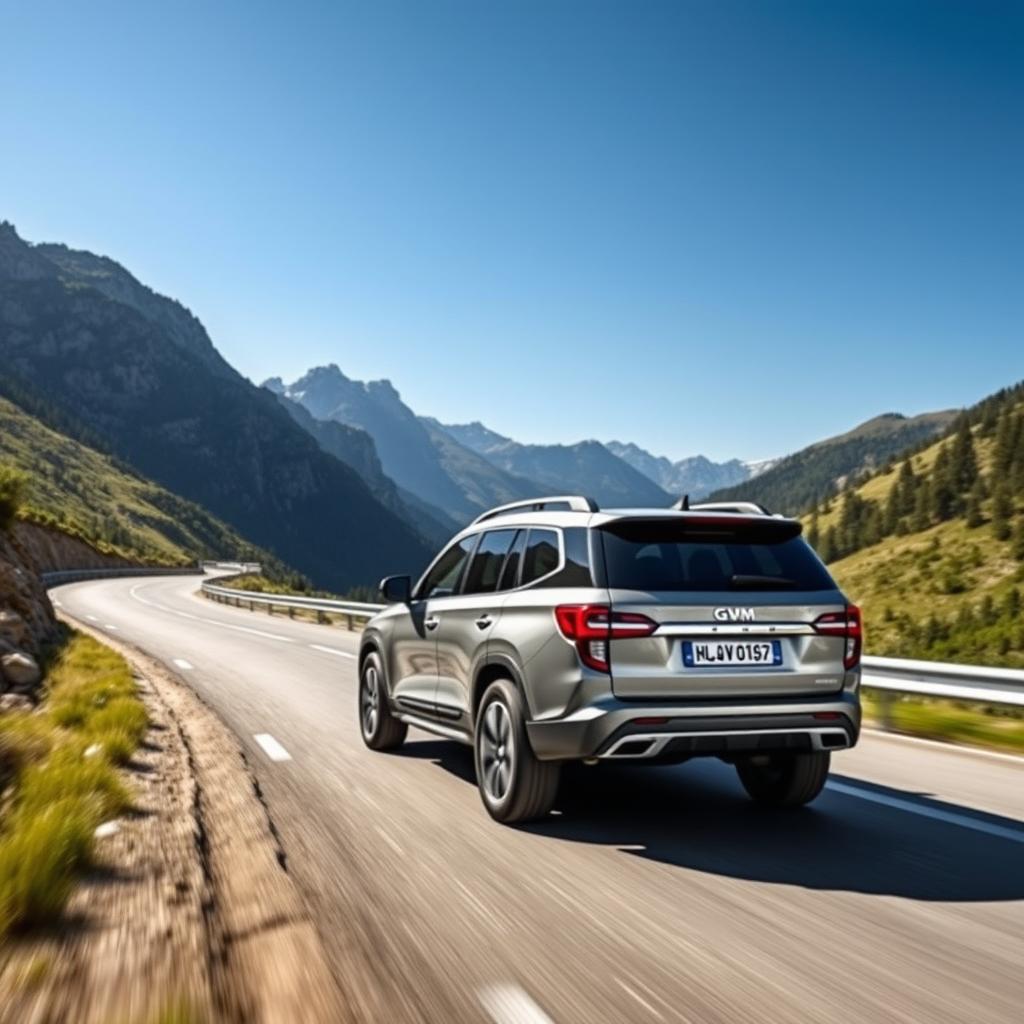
(749, 581)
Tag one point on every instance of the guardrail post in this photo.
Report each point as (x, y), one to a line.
(252, 606)
(320, 617)
(351, 626)
(291, 612)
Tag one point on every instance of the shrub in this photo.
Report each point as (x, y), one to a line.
(13, 490)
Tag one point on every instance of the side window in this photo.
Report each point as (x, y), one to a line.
(541, 555)
(443, 578)
(482, 577)
(510, 574)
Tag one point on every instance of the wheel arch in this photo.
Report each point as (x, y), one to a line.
(496, 666)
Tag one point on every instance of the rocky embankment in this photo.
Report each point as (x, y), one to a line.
(27, 621)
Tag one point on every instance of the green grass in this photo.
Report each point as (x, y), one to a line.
(60, 794)
(949, 721)
(93, 496)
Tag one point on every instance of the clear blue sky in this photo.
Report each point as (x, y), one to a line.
(721, 227)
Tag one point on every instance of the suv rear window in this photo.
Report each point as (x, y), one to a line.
(671, 557)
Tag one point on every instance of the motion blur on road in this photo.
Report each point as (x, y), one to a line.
(648, 895)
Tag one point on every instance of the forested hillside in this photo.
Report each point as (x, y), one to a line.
(90, 495)
(933, 545)
(793, 484)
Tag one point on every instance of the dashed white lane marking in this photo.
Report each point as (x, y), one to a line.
(92, 618)
(254, 632)
(210, 622)
(633, 994)
(1014, 835)
(56, 603)
(110, 625)
(271, 747)
(184, 665)
(332, 650)
(388, 839)
(509, 1004)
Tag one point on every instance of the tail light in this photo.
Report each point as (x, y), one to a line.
(592, 626)
(845, 624)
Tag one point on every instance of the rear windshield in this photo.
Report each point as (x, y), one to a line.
(642, 556)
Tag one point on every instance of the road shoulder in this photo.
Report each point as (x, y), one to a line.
(191, 911)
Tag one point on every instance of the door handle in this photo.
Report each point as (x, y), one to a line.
(484, 621)
(432, 623)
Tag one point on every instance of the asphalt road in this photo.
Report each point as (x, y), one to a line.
(649, 895)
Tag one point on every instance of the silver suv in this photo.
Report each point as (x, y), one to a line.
(551, 631)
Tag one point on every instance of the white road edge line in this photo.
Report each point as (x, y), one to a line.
(509, 1004)
(184, 665)
(1014, 835)
(271, 747)
(332, 650)
(949, 748)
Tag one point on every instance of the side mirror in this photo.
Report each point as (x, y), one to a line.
(396, 589)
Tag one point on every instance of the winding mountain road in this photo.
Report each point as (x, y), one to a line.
(649, 895)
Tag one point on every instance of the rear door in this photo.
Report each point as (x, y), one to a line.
(466, 620)
(735, 599)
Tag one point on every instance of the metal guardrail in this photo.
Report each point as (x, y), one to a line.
(352, 610)
(945, 679)
(894, 676)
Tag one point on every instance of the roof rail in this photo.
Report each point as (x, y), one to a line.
(571, 503)
(746, 508)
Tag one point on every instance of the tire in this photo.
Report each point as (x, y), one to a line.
(379, 728)
(514, 785)
(785, 780)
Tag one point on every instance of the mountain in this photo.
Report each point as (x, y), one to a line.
(415, 453)
(587, 467)
(116, 362)
(932, 546)
(355, 448)
(797, 481)
(89, 494)
(696, 476)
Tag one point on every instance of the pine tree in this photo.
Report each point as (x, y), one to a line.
(1018, 540)
(974, 500)
(1011, 605)
(944, 490)
(1002, 460)
(907, 484)
(1002, 510)
(963, 459)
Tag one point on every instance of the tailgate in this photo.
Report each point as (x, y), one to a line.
(774, 651)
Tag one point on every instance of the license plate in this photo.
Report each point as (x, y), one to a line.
(732, 653)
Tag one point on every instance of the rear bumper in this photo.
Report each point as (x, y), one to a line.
(616, 730)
